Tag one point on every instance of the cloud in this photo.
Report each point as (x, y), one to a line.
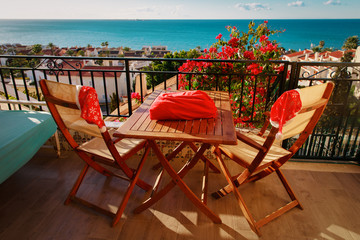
(146, 9)
(298, 4)
(332, 2)
(177, 10)
(252, 6)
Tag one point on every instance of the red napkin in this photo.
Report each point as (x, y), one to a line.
(90, 107)
(187, 105)
(284, 109)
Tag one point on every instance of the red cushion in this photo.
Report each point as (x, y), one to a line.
(285, 108)
(90, 107)
(187, 105)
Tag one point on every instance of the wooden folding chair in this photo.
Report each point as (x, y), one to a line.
(103, 153)
(261, 156)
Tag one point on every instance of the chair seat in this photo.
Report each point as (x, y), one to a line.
(98, 147)
(247, 154)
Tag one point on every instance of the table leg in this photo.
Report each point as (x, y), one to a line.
(204, 159)
(194, 148)
(177, 180)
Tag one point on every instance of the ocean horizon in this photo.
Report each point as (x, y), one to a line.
(175, 34)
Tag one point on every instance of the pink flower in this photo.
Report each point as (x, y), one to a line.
(219, 36)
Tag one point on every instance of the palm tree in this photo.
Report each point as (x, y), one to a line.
(105, 44)
(52, 47)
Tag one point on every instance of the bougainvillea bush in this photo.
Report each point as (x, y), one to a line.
(248, 79)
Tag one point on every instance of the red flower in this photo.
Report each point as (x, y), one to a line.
(263, 38)
(219, 36)
(249, 55)
(255, 68)
(135, 95)
(234, 42)
(212, 50)
(266, 21)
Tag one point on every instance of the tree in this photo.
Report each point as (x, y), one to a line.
(52, 47)
(11, 51)
(168, 66)
(70, 52)
(100, 62)
(80, 53)
(321, 47)
(252, 85)
(351, 43)
(36, 49)
(105, 44)
(114, 102)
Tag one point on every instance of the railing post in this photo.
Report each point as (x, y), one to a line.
(294, 75)
(128, 87)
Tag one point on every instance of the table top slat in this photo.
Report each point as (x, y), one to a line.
(181, 126)
(173, 126)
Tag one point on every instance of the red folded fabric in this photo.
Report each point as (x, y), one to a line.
(187, 105)
(284, 109)
(90, 107)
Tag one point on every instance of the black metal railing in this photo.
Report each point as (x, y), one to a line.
(336, 136)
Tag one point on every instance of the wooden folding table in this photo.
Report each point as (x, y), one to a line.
(207, 132)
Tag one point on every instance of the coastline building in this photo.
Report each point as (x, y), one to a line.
(310, 56)
(93, 76)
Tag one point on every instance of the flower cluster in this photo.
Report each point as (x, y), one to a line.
(248, 80)
(136, 96)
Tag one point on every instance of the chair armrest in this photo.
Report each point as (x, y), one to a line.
(250, 142)
(266, 124)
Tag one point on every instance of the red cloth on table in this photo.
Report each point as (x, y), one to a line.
(187, 105)
(90, 107)
(284, 109)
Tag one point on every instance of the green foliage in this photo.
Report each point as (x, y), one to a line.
(70, 52)
(114, 100)
(168, 66)
(105, 44)
(351, 43)
(80, 53)
(249, 82)
(52, 47)
(321, 47)
(36, 49)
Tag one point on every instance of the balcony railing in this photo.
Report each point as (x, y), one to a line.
(336, 136)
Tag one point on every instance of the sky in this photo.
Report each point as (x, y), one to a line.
(179, 9)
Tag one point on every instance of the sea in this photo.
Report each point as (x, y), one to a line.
(177, 35)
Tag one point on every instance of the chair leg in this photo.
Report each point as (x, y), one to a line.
(288, 188)
(238, 196)
(77, 184)
(130, 188)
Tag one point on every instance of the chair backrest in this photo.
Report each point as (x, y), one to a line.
(314, 100)
(61, 99)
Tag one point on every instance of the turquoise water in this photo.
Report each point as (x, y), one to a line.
(176, 34)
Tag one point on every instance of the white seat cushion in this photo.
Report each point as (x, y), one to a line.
(98, 147)
(247, 153)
